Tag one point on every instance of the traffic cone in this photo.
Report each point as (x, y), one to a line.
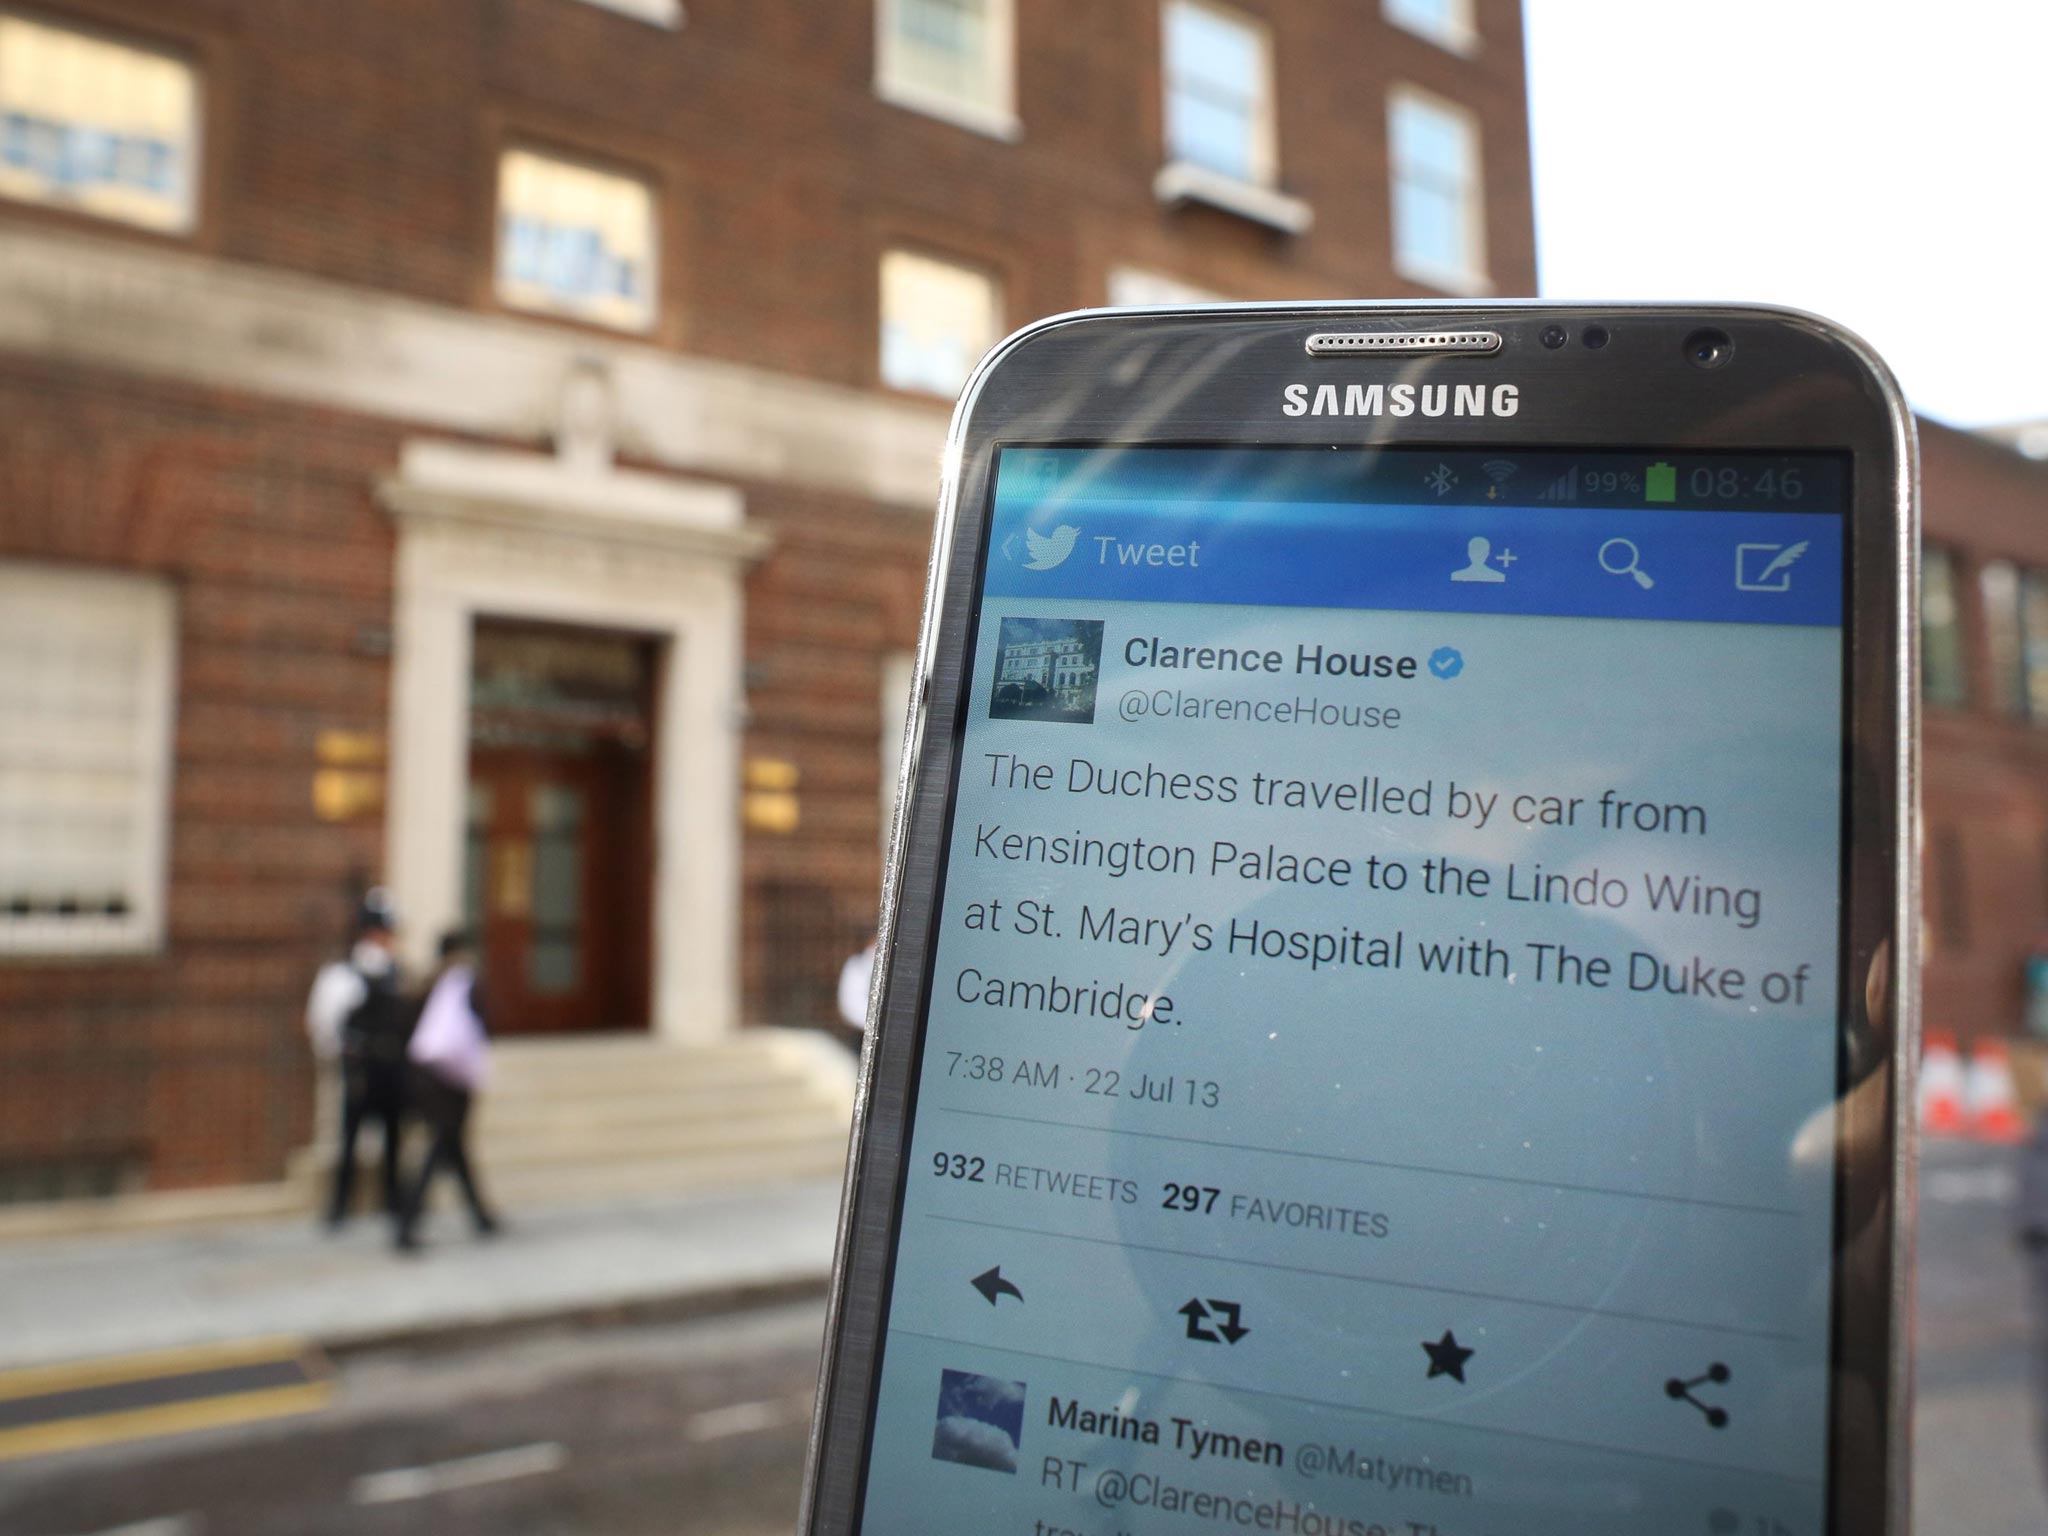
(1990, 1098)
(1941, 1086)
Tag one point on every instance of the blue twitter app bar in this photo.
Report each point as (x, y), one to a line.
(1072, 523)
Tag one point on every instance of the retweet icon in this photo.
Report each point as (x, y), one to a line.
(1050, 549)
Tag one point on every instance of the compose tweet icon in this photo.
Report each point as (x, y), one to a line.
(1766, 567)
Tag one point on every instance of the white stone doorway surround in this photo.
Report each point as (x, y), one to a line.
(571, 539)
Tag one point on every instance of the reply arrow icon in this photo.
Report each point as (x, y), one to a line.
(991, 1284)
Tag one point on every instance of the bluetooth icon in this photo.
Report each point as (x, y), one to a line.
(1440, 479)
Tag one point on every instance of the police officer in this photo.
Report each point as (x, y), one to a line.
(360, 1015)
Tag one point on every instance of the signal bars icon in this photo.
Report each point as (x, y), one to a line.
(1564, 488)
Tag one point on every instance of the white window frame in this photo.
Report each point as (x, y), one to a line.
(666, 14)
(513, 297)
(1472, 279)
(1460, 35)
(1141, 287)
(996, 117)
(153, 603)
(1941, 612)
(187, 218)
(1265, 142)
(1182, 180)
(2007, 591)
(918, 253)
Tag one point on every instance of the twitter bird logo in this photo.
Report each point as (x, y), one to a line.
(1050, 549)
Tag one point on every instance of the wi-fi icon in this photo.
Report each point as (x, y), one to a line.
(1498, 470)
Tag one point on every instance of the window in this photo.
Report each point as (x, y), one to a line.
(97, 126)
(1943, 679)
(667, 14)
(950, 58)
(1448, 23)
(1439, 222)
(938, 317)
(85, 714)
(2034, 641)
(1134, 285)
(2016, 625)
(1221, 143)
(1998, 590)
(1219, 100)
(575, 240)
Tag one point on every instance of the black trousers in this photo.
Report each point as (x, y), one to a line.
(445, 1109)
(371, 1090)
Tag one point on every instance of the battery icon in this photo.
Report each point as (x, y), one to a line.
(1660, 483)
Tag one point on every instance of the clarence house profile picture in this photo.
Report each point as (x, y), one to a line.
(981, 1421)
(1046, 669)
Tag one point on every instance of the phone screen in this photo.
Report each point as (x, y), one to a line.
(1380, 1038)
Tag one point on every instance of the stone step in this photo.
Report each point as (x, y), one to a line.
(522, 1188)
(500, 1113)
(593, 1118)
(603, 1141)
(546, 1068)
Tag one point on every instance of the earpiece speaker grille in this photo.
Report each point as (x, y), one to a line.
(1347, 343)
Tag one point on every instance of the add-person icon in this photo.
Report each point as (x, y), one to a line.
(1478, 550)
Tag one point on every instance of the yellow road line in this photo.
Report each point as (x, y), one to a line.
(169, 1419)
(77, 1375)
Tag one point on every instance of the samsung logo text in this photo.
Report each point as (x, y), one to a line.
(1402, 400)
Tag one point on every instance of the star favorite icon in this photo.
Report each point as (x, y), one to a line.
(1447, 1357)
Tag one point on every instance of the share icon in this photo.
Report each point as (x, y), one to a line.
(1680, 1391)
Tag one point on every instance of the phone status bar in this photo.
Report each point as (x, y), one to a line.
(1750, 483)
(1675, 481)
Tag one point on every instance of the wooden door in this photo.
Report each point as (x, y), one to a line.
(551, 886)
(560, 835)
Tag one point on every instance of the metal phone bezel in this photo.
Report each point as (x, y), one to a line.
(1182, 375)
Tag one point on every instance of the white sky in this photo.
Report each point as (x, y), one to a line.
(1881, 162)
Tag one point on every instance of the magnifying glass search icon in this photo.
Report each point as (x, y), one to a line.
(1620, 557)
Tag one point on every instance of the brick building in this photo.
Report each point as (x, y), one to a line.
(487, 446)
(1984, 639)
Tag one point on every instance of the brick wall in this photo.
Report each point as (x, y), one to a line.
(194, 1060)
(1986, 798)
(358, 143)
(843, 588)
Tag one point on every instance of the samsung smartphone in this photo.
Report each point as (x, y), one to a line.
(1394, 1006)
